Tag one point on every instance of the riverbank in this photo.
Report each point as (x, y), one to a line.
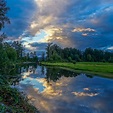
(97, 68)
(11, 100)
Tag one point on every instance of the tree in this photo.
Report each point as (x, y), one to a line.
(77, 58)
(110, 59)
(28, 57)
(2, 37)
(48, 50)
(11, 54)
(89, 58)
(88, 54)
(3, 18)
(55, 57)
(19, 49)
(70, 59)
(35, 58)
(55, 53)
(43, 56)
(3, 11)
(107, 56)
(3, 57)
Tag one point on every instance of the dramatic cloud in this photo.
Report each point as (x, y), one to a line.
(20, 14)
(74, 23)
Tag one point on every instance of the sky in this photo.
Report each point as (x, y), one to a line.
(69, 23)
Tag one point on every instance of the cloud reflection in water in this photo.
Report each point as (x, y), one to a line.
(68, 94)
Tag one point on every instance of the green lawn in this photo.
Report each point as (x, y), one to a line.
(98, 68)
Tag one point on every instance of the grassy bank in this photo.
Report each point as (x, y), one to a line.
(102, 69)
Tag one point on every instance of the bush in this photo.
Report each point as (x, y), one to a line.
(13, 102)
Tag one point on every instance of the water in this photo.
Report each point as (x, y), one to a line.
(54, 90)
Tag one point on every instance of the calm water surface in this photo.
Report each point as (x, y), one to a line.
(54, 90)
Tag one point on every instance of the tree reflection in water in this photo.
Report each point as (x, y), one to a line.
(13, 74)
(55, 74)
(53, 88)
(51, 73)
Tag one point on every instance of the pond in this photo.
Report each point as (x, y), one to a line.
(55, 90)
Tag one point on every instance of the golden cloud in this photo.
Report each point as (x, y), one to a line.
(84, 94)
(83, 30)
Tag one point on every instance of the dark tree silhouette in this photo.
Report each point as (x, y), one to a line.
(58, 54)
(3, 11)
(3, 18)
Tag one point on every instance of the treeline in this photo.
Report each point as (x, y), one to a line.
(22, 54)
(15, 52)
(58, 54)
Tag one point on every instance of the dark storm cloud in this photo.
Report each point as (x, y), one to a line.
(100, 19)
(20, 14)
(70, 16)
(76, 23)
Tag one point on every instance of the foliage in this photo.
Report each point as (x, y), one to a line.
(111, 60)
(53, 52)
(3, 18)
(11, 101)
(7, 54)
(3, 11)
(11, 53)
(57, 54)
(43, 57)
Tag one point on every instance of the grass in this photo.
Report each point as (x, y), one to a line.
(98, 68)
